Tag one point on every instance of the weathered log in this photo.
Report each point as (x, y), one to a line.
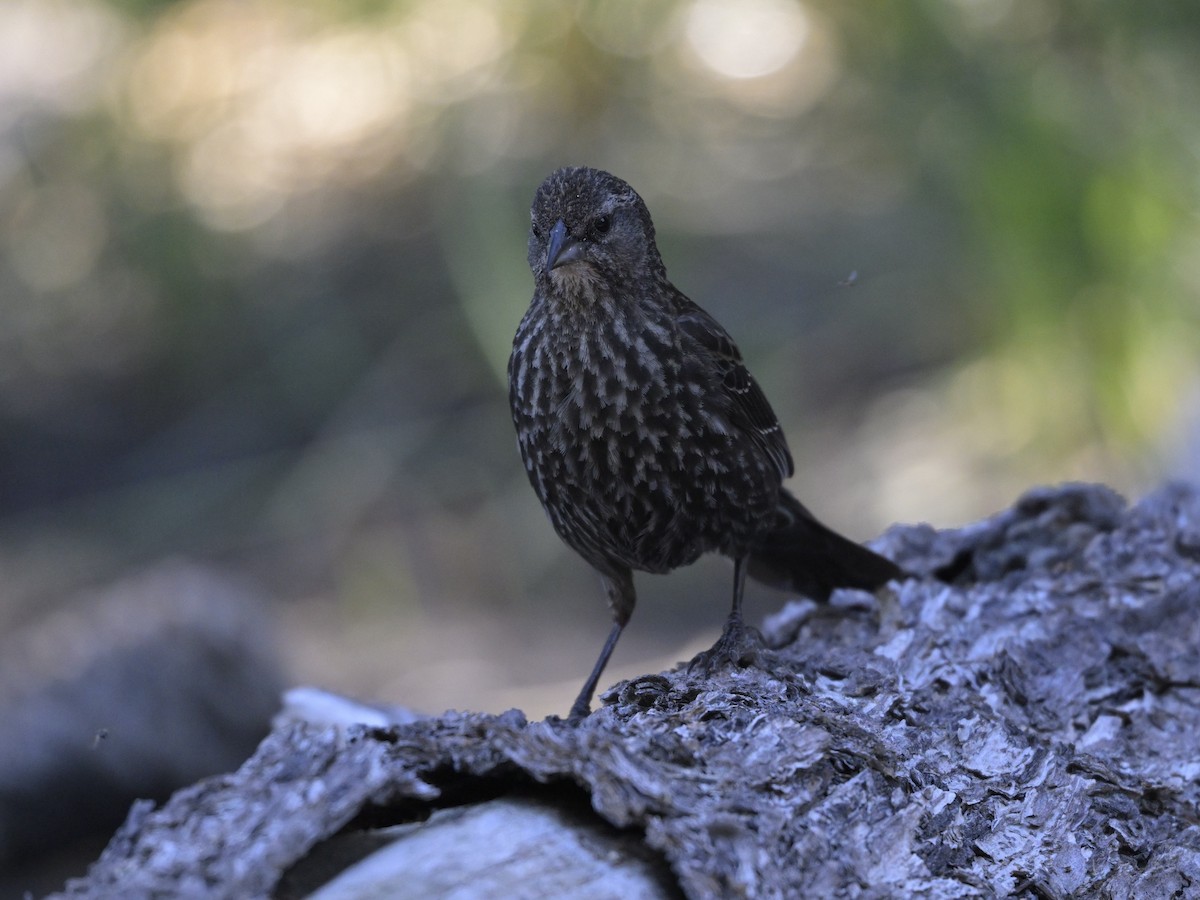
(1023, 720)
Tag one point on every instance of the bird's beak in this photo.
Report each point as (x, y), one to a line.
(563, 248)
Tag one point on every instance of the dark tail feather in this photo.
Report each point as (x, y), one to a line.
(800, 554)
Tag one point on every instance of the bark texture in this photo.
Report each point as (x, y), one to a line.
(1023, 720)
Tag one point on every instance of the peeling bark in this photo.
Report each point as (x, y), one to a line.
(1023, 720)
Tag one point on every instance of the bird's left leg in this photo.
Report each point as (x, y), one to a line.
(738, 644)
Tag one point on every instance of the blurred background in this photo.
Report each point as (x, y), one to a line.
(261, 264)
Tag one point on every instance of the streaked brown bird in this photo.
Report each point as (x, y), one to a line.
(644, 435)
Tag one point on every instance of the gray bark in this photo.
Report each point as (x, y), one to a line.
(1023, 720)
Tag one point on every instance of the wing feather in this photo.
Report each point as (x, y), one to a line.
(748, 405)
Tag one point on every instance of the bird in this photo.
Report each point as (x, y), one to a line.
(643, 434)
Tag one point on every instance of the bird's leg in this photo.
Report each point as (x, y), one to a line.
(737, 643)
(583, 703)
(739, 586)
(618, 585)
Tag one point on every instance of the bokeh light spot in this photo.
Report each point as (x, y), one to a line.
(747, 38)
(55, 240)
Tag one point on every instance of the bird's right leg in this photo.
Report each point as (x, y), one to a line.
(618, 585)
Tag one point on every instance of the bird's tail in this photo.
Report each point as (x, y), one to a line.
(800, 554)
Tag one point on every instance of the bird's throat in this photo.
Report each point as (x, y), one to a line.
(579, 290)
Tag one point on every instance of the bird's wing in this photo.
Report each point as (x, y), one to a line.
(748, 404)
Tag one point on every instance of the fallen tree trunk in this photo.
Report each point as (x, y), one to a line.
(1023, 720)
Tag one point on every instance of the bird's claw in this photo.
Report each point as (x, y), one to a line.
(739, 645)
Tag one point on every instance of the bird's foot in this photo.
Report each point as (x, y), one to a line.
(739, 645)
(580, 710)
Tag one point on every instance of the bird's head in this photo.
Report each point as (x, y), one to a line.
(590, 232)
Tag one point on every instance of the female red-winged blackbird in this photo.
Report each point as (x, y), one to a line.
(644, 435)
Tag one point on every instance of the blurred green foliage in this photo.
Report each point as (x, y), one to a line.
(260, 262)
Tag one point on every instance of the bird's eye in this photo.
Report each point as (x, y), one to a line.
(601, 225)
(537, 232)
